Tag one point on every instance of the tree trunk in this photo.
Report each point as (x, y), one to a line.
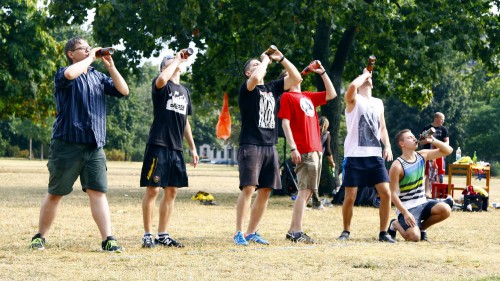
(41, 151)
(321, 51)
(31, 149)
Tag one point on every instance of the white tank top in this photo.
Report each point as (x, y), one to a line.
(363, 128)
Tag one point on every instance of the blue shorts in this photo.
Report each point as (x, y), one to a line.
(364, 171)
(420, 213)
(259, 166)
(163, 167)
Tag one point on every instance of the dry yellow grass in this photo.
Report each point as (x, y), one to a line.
(464, 247)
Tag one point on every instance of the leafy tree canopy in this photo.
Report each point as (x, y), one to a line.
(409, 38)
(29, 58)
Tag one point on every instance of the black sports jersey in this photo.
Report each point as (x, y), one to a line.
(171, 106)
(258, 110)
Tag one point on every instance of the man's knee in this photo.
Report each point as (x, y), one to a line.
(248, 190)
(413, 234)
(350, 195)
(441, 209)
(383, 191)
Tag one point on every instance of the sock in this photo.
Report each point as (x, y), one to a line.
(382, 233)
(391, 227)
(161, 234)
(423, 231)
(148, 234)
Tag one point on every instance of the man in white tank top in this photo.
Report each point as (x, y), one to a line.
(365, 165)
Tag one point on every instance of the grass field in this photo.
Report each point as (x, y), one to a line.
(464, 247)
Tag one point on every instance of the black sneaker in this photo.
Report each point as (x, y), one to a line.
(111, 245)
(37, 242)
(385, 237)
(423, 236)
(289, 236)
(392, 233)
(148, 241)
(301, 237)
(344, 236)
(167, 241)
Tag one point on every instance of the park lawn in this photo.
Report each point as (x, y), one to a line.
(464, 247)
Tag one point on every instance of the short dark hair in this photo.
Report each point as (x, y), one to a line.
(399, 135)
(70, 46)
(283, 74)
(246, 66)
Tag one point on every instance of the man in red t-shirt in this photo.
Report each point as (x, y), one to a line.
(301, 128)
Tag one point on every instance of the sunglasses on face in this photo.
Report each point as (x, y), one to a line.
(86, 49)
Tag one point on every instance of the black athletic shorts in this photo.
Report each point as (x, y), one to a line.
(259, 166)
(163, 167)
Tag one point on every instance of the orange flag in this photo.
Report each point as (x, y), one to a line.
(224, 124)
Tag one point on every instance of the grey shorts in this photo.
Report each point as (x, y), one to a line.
(163, 167)
(67, 161)
(259, 166)
(420, 213)
(309, 170)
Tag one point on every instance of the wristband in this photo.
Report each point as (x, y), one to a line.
(293, 149)
(323, 72)
(282, 58)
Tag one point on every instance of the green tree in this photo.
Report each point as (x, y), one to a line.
(31, 131)
(29, 58)
(483, 131)
(410, 39)
(129, 119)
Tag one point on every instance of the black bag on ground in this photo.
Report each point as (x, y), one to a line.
(475, 201)
(366, 196)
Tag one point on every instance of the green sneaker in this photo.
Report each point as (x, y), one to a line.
(111, 245)
(37, 242)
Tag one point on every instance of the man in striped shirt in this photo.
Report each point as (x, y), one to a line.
(414, 212)
(78, 137)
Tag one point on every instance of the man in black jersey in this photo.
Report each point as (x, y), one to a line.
(258, 161)
(164, 164)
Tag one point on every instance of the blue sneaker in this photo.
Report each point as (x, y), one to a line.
(239, 239)
(256, 238)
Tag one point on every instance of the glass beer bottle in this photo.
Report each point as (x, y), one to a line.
(104, 52)
(371, 63)
(186, 53)
(315, 64)
(427, 133)
(271, 50)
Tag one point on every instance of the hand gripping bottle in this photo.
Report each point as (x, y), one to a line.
(315, 64)
(427, 133)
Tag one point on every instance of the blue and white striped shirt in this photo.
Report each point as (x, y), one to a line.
(81, 107)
